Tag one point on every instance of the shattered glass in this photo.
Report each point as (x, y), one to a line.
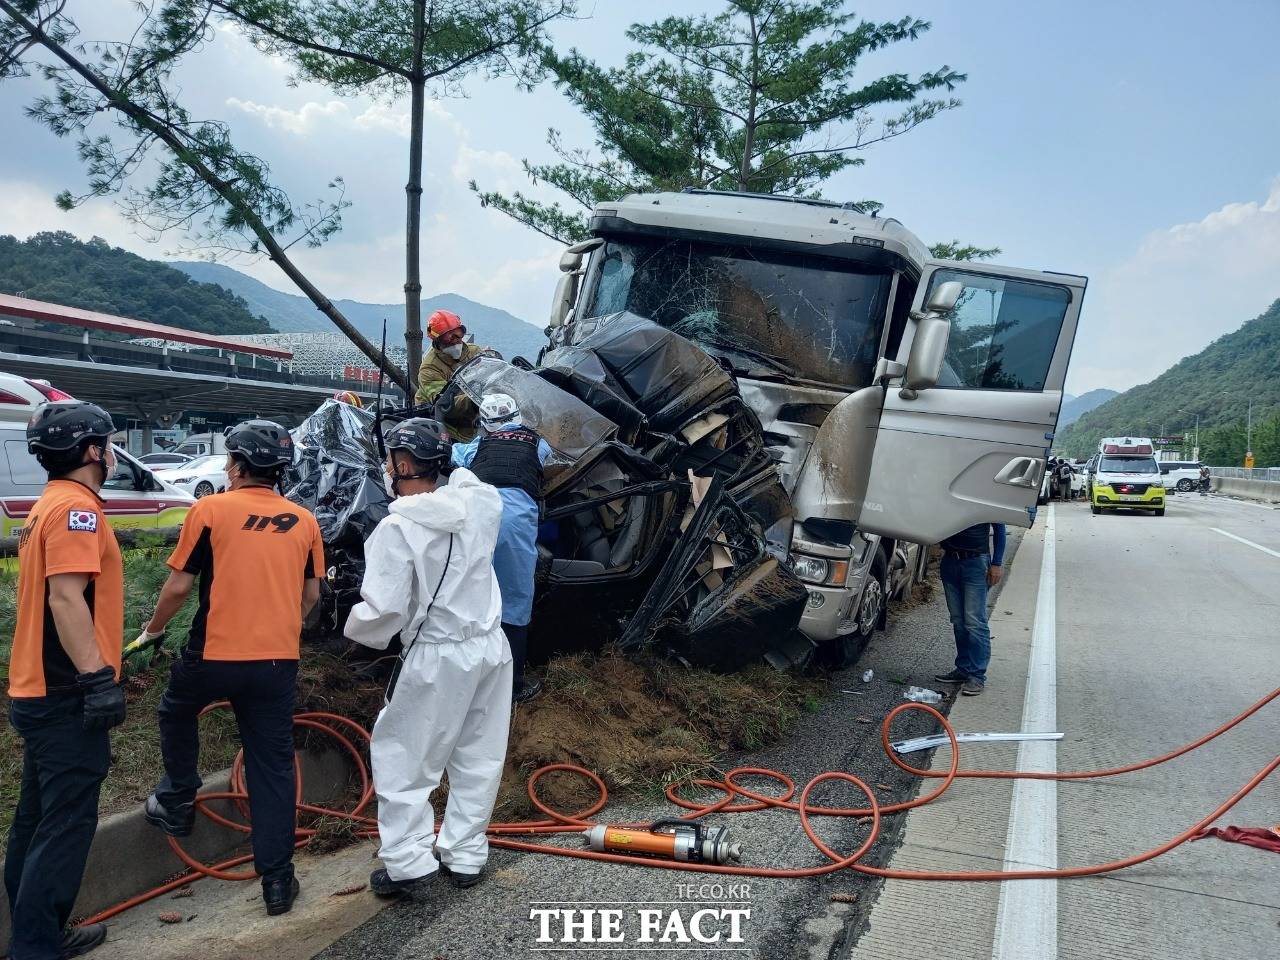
(771, 313)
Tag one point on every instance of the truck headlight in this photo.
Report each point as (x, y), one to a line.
(827, 573)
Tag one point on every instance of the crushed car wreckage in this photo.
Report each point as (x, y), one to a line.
(665, 522)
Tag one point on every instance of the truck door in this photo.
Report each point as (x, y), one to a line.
(972, 448)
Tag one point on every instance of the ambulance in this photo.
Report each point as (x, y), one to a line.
(1127, 477)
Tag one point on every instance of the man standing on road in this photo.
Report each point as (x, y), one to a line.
(509, 455)
(429, 580)
(971, 563)
(449, 351)
(63, 679)
(243, 645)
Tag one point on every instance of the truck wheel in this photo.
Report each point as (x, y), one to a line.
(844, 651)
(1095, 509)
(1159, 513)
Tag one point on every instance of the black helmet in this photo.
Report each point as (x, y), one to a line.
(422, 438)
(263, 443)
(60, 425)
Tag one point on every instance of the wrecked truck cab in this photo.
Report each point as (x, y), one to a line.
(673, 529)
(665, 524)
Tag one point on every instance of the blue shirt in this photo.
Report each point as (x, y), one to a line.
(515, 557)
(980, 538)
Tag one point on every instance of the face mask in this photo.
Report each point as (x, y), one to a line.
(455, 351)
(388, 485)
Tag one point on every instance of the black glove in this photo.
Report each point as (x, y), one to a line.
(103, 699)
(443, 405)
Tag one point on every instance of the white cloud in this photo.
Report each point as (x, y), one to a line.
(29, 208)
(1184, 286)
(306, 119)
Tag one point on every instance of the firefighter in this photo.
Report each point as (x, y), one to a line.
(429, 581)
(258, 558)
(64, 673)
(449, 351)
(509, 455)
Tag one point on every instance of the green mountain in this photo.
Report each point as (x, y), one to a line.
(290, 313)
(1073, 408)
(58, 268)
(1217, 383)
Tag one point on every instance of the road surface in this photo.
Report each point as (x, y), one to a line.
(1162, 628)
(1132, 635)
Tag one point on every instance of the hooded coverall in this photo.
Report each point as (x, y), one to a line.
(429, 580)
(434, 375)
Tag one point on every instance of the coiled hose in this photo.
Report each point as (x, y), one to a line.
(351, 737)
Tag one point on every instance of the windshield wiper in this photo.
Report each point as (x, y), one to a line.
(776, 362)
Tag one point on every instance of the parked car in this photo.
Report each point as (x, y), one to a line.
(163, 460)
(133, 496)
(199, 477)
(1182, 475)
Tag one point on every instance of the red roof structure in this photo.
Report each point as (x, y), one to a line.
(89, 320)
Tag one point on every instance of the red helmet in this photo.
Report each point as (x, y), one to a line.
(441, 322)
(346, 396)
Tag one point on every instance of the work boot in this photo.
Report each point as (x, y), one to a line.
(382, 885)
(529, 689)
(462, 880)
(178, 822)
(80, 940)
(279, 895)
(955, 676)
(972, 688)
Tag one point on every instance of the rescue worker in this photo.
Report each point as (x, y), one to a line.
(258, 558)
(449, 350)
(1204, 481)
(63, 678)
(429, 580)
(509, 455)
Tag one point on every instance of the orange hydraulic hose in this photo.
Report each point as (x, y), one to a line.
(736, 799)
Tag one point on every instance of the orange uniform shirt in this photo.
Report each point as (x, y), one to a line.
(252, 550)
(66, 532)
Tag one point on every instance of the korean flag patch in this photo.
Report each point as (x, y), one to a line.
(85, 521)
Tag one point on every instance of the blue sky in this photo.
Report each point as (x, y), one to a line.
(1132, 142)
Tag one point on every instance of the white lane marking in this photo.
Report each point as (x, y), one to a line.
(1027, 919)
(1247, 543)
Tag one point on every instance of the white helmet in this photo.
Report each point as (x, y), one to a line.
(497, 410)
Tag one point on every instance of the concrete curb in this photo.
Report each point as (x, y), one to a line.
(130, 856)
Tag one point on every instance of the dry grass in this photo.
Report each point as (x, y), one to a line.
(640, 724)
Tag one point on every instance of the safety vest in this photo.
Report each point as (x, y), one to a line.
(509, 458)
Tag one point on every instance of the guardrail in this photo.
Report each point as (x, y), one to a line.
(1271, 474)
(1268, 491)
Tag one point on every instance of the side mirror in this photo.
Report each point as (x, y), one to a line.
(945, 297)
(928, 351)
(565, 296)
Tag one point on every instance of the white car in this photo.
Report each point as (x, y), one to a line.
(199, 477)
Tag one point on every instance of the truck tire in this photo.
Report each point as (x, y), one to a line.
(1095, 509)
(1159, 513)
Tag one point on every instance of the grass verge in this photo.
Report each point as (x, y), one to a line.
(639, 724)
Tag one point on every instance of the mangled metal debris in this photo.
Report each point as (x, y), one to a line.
(665, 522)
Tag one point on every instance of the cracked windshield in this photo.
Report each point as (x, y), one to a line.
(772, 315)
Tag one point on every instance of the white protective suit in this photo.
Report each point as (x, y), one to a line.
(450, 709)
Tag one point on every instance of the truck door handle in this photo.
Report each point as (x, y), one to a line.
(1020, 472)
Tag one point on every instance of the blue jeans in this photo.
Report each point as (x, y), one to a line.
(965, 583)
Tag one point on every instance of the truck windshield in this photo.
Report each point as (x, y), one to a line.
(773, 315)
(1129, 465)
